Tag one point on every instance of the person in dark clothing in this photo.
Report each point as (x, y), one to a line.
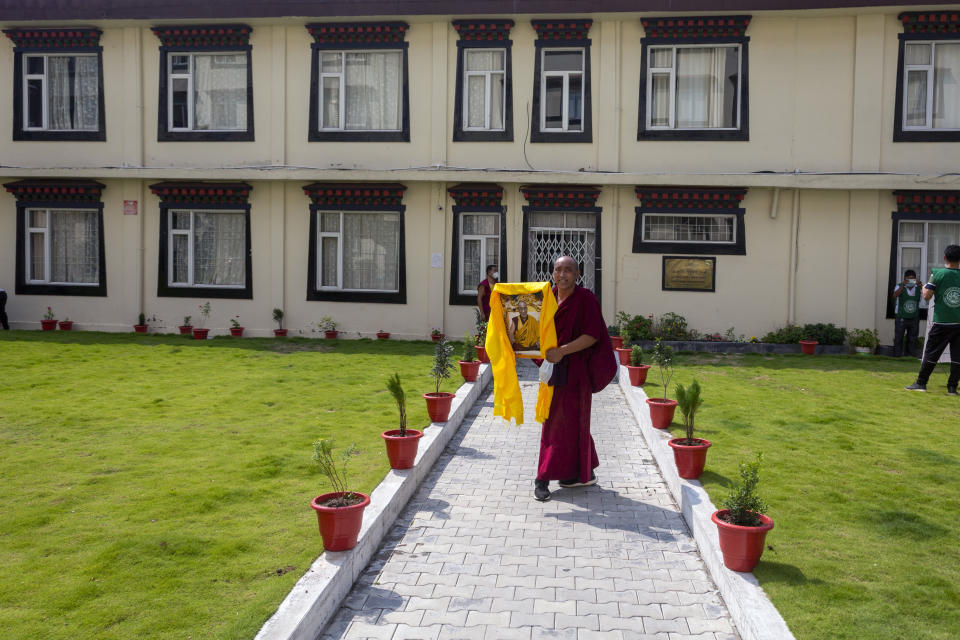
(906, 296)
(3, 310)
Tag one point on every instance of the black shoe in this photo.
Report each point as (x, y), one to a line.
(540, 490)
(952, 391)
(916, 386)
(575, 482)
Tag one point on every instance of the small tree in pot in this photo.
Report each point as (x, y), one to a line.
(278, 318)
(186, 328)
(661, 409)
(689, 453)
(401, 443)
(340, 512)
(636, 369)
(200, 332)
(141, 326)
(469, 365)
(742, 523)
(329, 327)
(438, 403)
(236, 329)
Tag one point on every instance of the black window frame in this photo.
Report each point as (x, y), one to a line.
(63, 42)
(549, 30)
(501, 30)
(360, 39)
(203, 43)
(680, 202)
(913, 135)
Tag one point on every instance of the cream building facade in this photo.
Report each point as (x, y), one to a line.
(366, 167)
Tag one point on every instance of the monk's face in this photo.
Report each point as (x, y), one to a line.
(565, 273)
(522, 308)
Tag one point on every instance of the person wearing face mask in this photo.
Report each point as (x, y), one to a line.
(906, 296)
(944, 288)
(485, 288)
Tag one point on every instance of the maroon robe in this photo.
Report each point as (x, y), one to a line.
(566, 446)
(485, 297)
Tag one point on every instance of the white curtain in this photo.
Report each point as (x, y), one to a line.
(946, 88)
(939, 235)
(373, 90)
(701, 88)
(58, 93)
(371, 248)
(220, 91)
(219, 248)
(87, 87)
(72, 88)
(74, 246)
(472, 271)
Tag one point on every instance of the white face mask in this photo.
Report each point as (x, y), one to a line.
(496, 275)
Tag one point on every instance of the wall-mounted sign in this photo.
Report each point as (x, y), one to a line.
(129, 207)
(683, 273)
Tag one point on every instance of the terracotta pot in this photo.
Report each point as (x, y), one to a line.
(661, 411)
(808, 347)
(438, 405)
(200, 334)
(66, 325)
(402, 451)
(48, 325)
(236, 331)
(638, 375)
(624, 354)
(330, 335)
(741, 546)
(617, 341)
(437, 338)
(280, 333)
(482, 354)
(339, 526)
(185, 329)
(469, 370)
(383, 335)
(140, 328)
(689, 459)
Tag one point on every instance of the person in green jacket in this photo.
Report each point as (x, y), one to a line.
(944, 288)
(906, 296)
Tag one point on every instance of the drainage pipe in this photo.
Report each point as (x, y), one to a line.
(794, 257)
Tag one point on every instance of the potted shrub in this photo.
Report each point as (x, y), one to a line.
(141, 326)
(235, 329)
(186, 328)
(742, 524)
(469, 365)
(436, 335)
(279, 332)
(66, 324)
(864, 341)
(340, 512)
(615, 338)
(200, 332)
(636, 369)
(481, 337)
(661, 409)
(329, 327)
(383, 335)
(438, 403)
(689, 453)
(623, 355)
(401, 443)
(49, 321)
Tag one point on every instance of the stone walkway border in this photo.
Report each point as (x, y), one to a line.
(317, 596)
(753, 614)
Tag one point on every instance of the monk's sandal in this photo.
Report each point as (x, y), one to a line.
(540, 490)
(575, 482)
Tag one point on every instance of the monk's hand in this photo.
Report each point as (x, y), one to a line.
(553, 355)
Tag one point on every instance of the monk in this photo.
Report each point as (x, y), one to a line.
(567, 452)
(524, 330)
(485, 288)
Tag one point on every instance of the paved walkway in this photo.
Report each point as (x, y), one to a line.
(473, 555)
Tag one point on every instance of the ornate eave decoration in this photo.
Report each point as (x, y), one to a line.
(327, 33)
(76, 38)
(219, 35)
(560, 30)
(685, 28)
(325, 194)
(931, 23)
(561, 197)
(63, 191)
(476, 195)
(475, 30)
(928, 202)
(690, 197)
(201, 193)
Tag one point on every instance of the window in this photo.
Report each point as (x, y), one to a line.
(359, 75)
(483, 105)
(694, 79)
(207, 249)
(206, 88)
(927, 107)
(921, 243)
(689, 228)
(58, 85)
(483, 88)
(479, 247)
(561, 91)
(689, 221)
(479, 221)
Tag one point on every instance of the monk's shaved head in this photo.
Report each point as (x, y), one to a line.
(566, 261)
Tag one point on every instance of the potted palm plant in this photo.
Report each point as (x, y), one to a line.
(200, 331)
(329, 327)
(689, 453)
(661, 409)
(636, 369)
(49, 322)
(742, 524)
(401, 443)
(186, 328)
(141, 326)
(339, 512)
(438, 403)
(481, 337)
(279, 332)
(469, 365)
(864, 341)
(236, 330)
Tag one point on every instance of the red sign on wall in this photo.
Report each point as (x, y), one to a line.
(129, 207)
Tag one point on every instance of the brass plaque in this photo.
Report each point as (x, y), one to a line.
(689, 274)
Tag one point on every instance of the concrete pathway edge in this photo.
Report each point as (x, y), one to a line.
(316, 597)
(753, 614)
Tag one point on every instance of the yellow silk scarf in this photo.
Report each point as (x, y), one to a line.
(507, 401)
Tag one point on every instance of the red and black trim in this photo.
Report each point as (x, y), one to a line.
(561, 31)
(56, 193)
(696, 28)
(926, 203)
(56, 39)
(339, 33)
(202, 194)
(483, 30)
(476, 195)
(927, 23)
(560, 197)
(692, 200)
(324, 194)
(198, 37)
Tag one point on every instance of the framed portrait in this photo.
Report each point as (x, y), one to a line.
(521, 318)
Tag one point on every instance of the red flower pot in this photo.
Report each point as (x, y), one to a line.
(469, 370)
(482, 354)
(638, 375)
(624, 354)
(280, 333)
(437, 338)
(383, 335)
(66, 325)
(236, 331)
(617, 341)
(689, 459)
(200, 334)
(741, 546)
(402, 451)
(185, 329)
(140, 328)
(808, 347)
(330, 335)
(48, 325)
(339, 526)
(661, 411)
(438, 405)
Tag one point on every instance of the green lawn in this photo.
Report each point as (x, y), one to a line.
(158, 487)
(862, 481)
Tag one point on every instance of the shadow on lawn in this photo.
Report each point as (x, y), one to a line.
(768, 572)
